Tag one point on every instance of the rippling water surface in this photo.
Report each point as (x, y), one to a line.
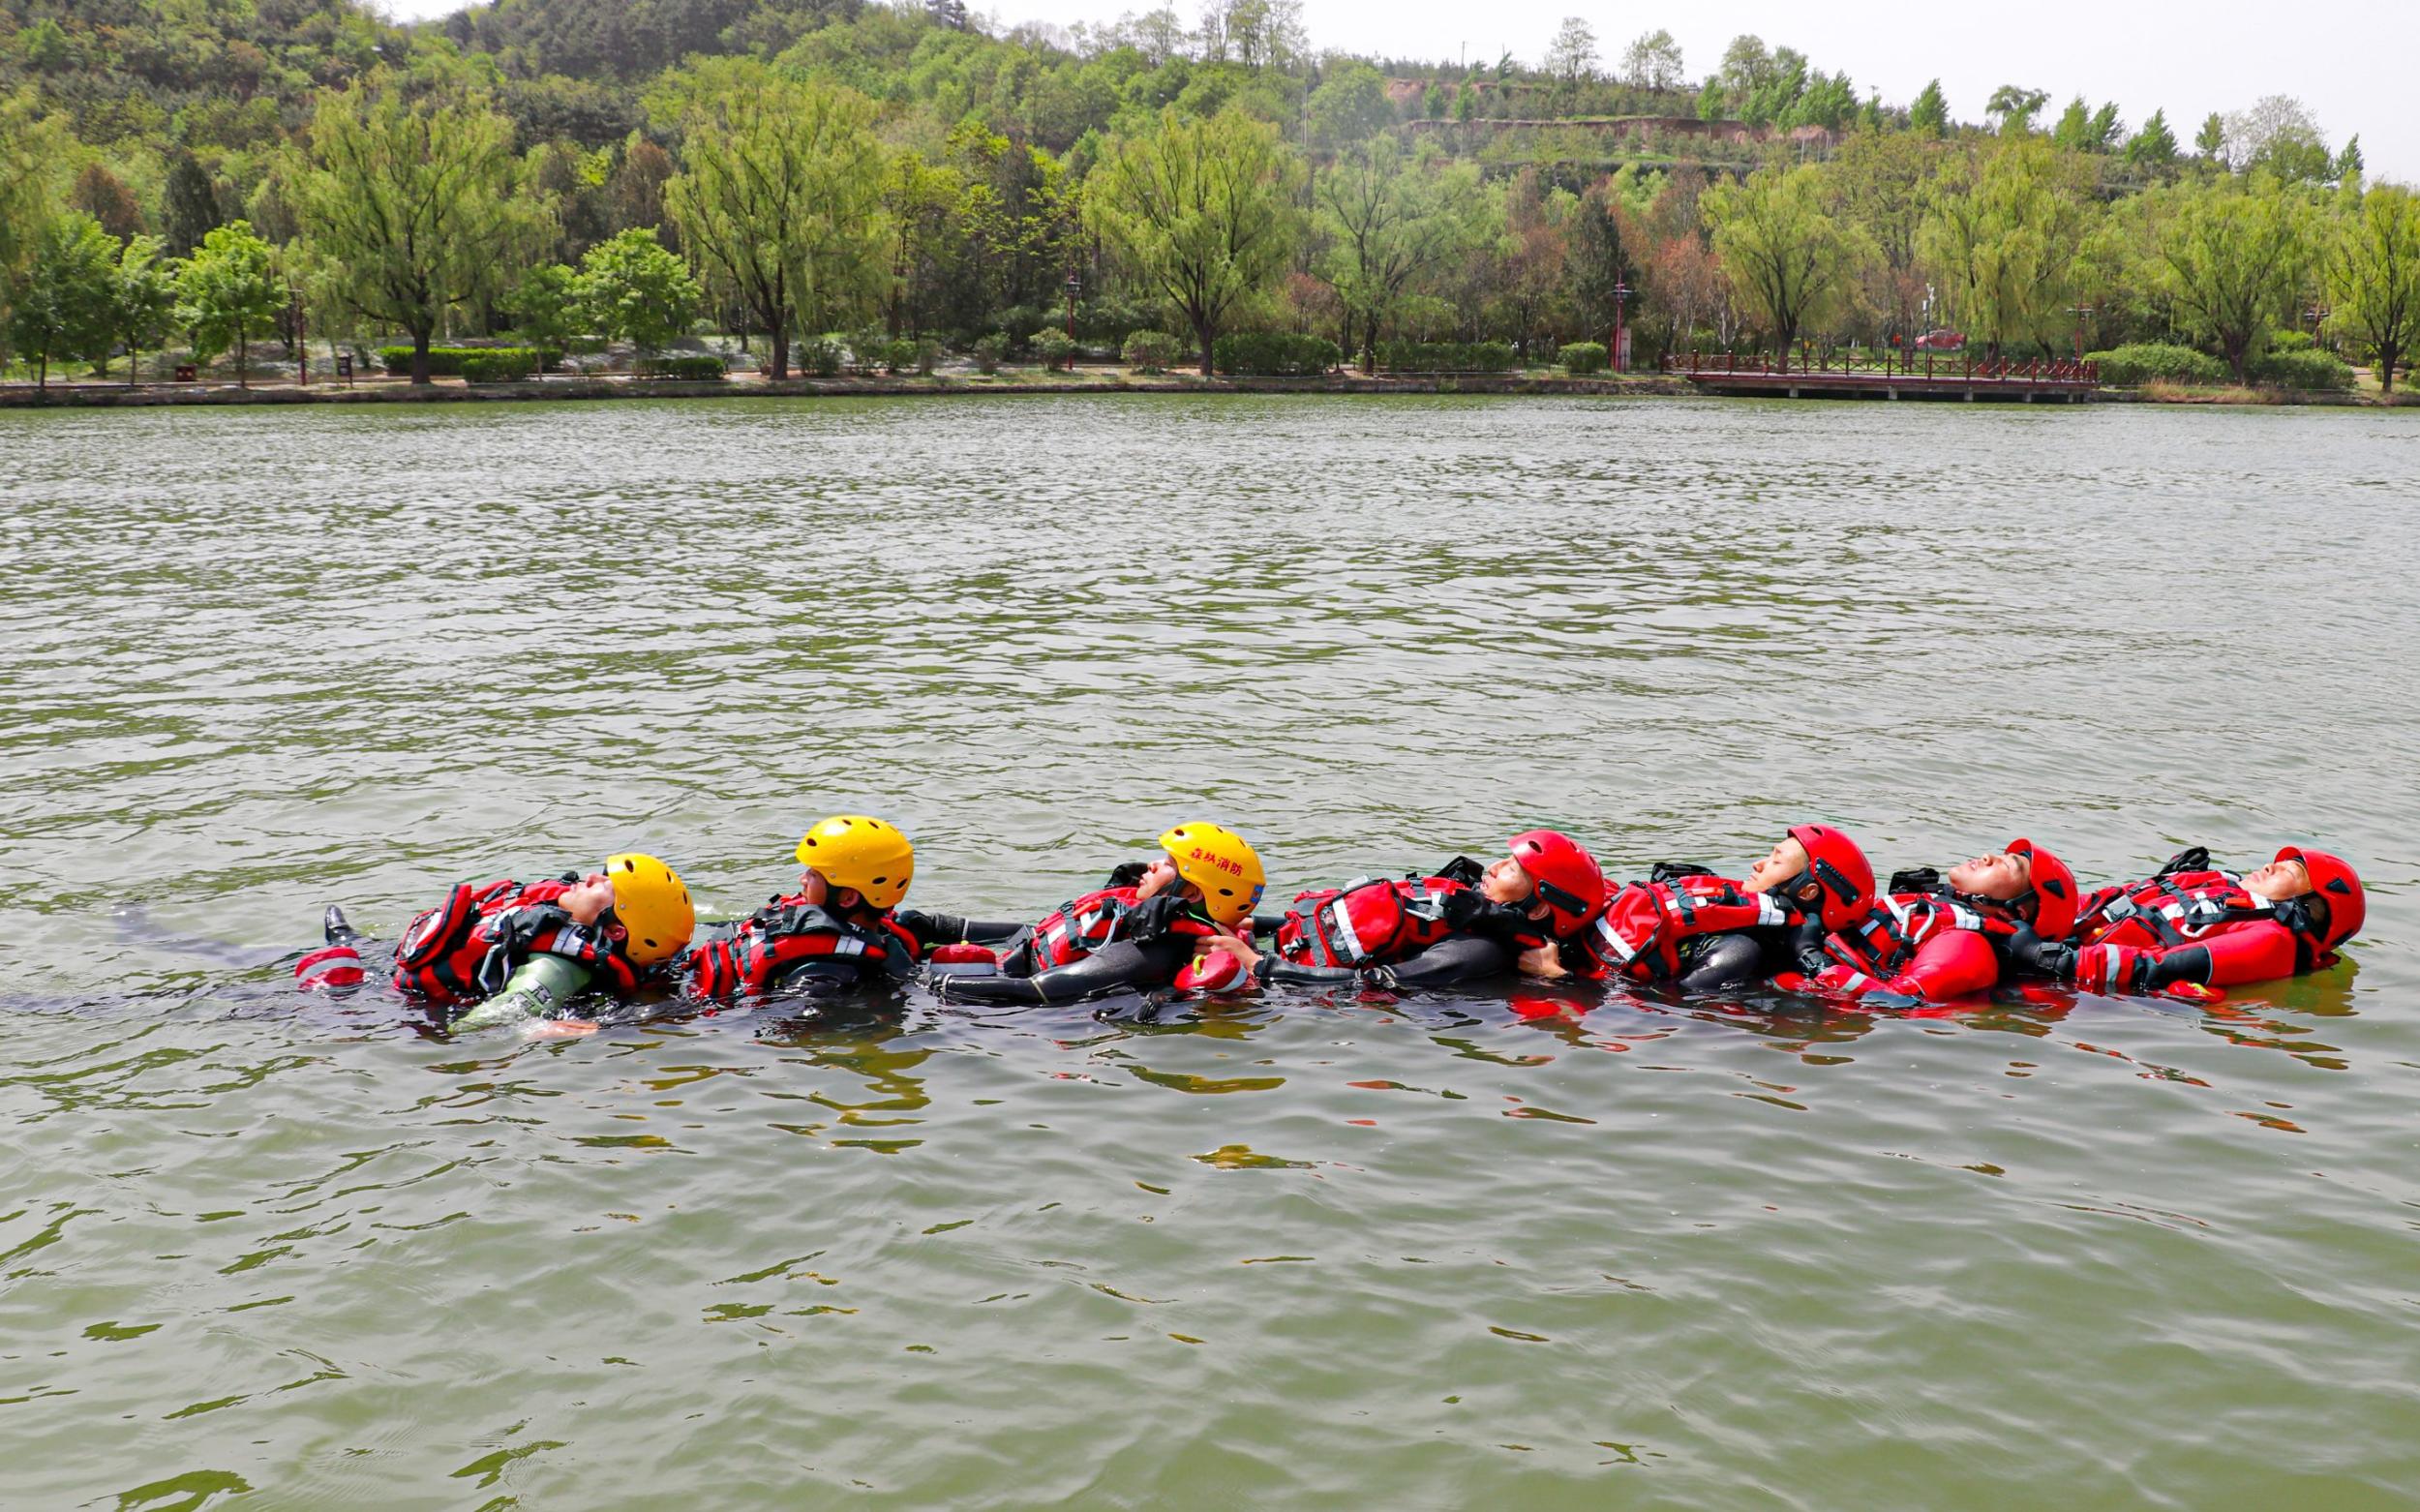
(259, 1251)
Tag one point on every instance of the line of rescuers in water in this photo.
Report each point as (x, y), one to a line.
(1806, 919)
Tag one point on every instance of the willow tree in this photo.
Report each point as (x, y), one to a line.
(1202, 210)
(32, 149)
(2004, 241)
(1390, 220)
(1792, 262)
(781, 201)
(2374, 277)
(2231, 261)
(410, 204)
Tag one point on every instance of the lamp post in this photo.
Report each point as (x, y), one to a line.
(2082, 313)
(1621, 291)
(1074, 287)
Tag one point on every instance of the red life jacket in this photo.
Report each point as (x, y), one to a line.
(1647, 926)
(2181, 908)
(1081, 925)
(467, 947)
(1885, 943)
(1370, 922)
(775, 939)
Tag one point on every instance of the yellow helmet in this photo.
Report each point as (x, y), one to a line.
(853, 851)
(652, 908)
(1222, 863)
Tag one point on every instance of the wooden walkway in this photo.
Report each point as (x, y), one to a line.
(1901, 376)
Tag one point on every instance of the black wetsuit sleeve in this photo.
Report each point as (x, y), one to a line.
(932, 930)
(1121, 966)
(1447, 963)
(824, 977)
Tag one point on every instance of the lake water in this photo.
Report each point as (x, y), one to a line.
(263, 1250)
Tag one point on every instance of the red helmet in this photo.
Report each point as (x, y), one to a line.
(2055, 895)
(2333, 884)
(1841, 871)
(1569, 881)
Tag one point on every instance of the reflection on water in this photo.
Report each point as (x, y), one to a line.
(1534, 1249)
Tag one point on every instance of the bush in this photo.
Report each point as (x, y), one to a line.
(927, 357)
(2151, 362)
(497, 367)
(1150, 351)
(2291, 340)
(1053, 347)
(1446, 356)
(682, 367)
(1273, 353)
(820, 355)
(447, 361)
(1581, 358)
(2305, 368)
(988, 350)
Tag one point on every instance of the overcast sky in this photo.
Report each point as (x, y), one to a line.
(2355, 63)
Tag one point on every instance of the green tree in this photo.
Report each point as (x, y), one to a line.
(2014, 107)
(2210, 140)
(545, 306)
(32, 150)
(1390, 220)
(62, 306)
(191, 204)
(1571, 58)
(1652, 62)
(1879, 183)
(1203, 211)
(2231, 259)
(636, 292)
(229, 293)
(1930, 113)
(2374, 278)
(2347, 162)
(142, 301)
(2152, 151)
(781, 201)
(1351, 104)
(1792, 262)
(2004, 246)
(1600, 260)
(412, 202)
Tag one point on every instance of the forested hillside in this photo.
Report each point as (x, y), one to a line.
(937, 180)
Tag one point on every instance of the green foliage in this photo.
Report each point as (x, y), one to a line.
(2006, 242)
(822, 355)
(781, 202)
(1150, 351)
(191, 204)
(1450, 356)
(988, 350)
(142, 298)
(457, 361)
(1930, 113)
(1581, 358)
(2149, 362)
(546, 308)
(408, 198)
(2152, 151)
(2231, 261)
(1274, 354)
(229, 294)
(2373, 273)
(64, 308)
(690, 367)
(496, 365)
(1202, 210)
(631, 290)
(1053, 347)
(1792, 262)
(2308, 369)
(1391, 220)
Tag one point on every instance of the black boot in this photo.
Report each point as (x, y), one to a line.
(339, 932)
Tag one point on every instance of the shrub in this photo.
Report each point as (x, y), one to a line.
(1273, 353)
(988, 350)
(1150, 351)
(2291, 340)
(447, 361)
(1053, 347)
(2308, 368)
(927, 357)
(1581, 358)
(1446, 356)
(682, 367)
(820, 355)
(497, 367)
(2152, 362)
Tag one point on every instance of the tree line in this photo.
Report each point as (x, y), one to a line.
(899, 170)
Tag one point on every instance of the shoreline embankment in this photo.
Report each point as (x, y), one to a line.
(388, 391)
